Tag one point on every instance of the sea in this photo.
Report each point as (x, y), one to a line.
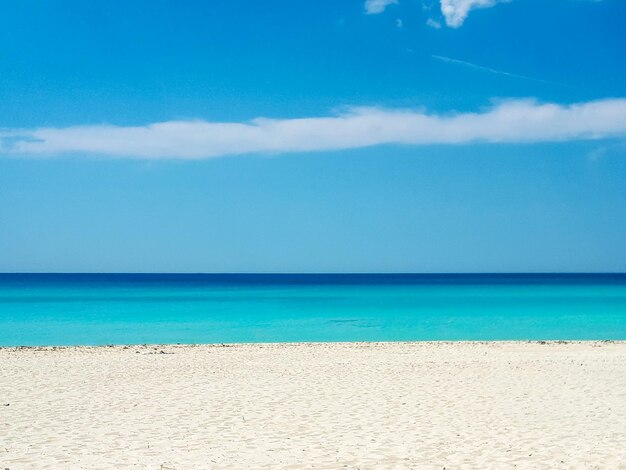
(100, 309)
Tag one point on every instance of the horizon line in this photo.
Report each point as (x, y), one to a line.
(312, 273)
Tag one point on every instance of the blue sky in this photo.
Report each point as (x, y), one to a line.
(313, 136)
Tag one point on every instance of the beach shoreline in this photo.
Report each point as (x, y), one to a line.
(596, 342)
(435, 404)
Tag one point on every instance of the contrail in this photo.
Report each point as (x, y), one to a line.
(490, 70)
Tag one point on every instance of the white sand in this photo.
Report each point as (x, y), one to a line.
(402, 405)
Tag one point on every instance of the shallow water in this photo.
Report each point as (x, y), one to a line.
(88, 309)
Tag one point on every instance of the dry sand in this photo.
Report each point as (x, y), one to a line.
(377, 405)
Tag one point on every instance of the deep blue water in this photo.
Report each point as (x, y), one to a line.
(71, 309)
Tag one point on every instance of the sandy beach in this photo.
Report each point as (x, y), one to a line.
(354, 405)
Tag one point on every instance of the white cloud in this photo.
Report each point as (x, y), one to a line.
(373, 7)
(515, 121)
(455, 11)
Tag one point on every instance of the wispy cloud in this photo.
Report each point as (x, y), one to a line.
(455, 11)
(515, 121)
(433, 23)
(449, 60)
(614, 148)
(373, 7)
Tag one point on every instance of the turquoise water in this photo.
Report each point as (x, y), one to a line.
(135, 309)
